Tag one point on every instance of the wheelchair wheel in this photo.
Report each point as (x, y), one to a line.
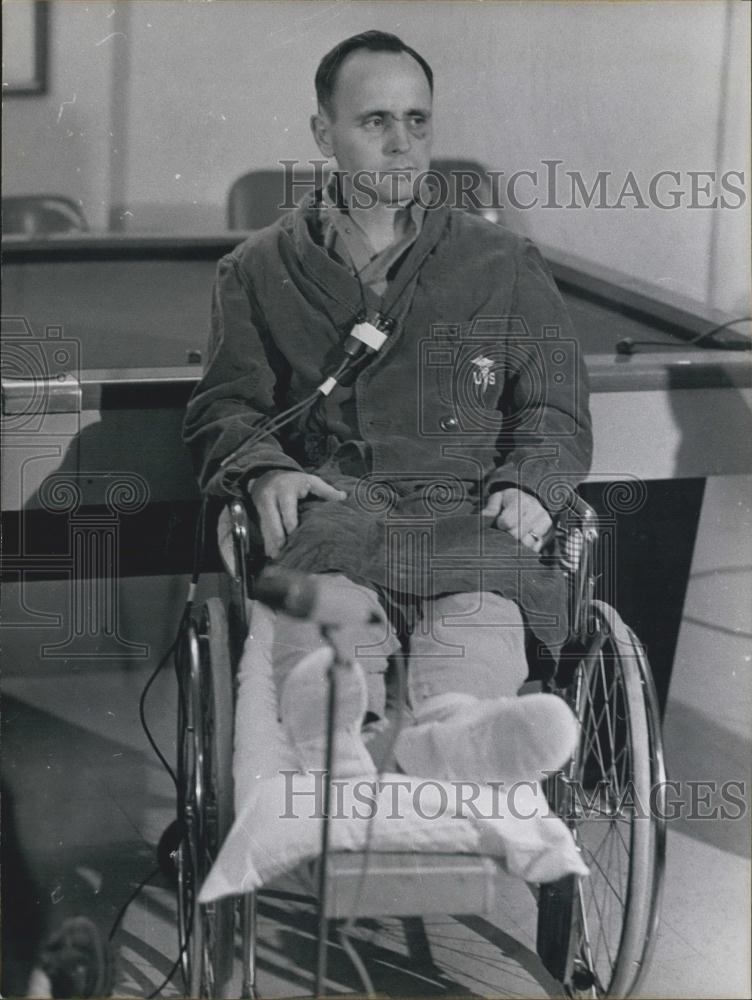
(595, 934)
(205, 716)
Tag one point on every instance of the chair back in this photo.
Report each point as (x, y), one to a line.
(42, 215)
(261, 197)
(470, 187)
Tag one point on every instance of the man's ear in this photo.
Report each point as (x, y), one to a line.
(322, 133)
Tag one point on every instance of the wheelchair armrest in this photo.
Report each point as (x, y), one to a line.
(576, 537)
(582, 512)
(233, 528)
(234, 536)
(239, 529)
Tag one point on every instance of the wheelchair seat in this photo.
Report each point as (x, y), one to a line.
(594, 933)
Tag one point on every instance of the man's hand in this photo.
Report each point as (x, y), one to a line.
(276, 495)
(519, 513)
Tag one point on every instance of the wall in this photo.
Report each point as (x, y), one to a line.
(198, 93)
(60, 142)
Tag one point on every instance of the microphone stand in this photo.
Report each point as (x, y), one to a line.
(336, 665)
(292, 592)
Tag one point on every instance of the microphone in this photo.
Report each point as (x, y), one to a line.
(363, 340)
(626, 346)
(313, 598)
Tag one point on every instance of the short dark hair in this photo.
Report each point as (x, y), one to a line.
(373, 41)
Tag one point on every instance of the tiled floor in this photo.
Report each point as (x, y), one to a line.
(90, 801)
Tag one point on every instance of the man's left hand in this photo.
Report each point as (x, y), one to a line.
(519, 513)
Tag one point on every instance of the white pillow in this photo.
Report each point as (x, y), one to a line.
(280, 827)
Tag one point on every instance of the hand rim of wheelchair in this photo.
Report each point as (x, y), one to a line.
(621, 896)
(205, 806)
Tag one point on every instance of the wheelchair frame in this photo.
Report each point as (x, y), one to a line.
(595, 934)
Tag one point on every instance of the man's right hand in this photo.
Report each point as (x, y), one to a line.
(276, 495)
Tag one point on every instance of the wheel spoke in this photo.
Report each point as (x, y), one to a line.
(602, 869)
(611, 774)
(605, 713)
(594, 743)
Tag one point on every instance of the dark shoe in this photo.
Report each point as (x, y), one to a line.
(77, 960)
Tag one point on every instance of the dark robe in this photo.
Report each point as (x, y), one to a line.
(481, 385)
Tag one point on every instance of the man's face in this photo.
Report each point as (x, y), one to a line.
(380, 122)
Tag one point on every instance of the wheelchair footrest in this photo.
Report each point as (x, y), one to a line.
(408, 884)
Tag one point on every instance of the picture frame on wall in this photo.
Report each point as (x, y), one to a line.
(25, 24)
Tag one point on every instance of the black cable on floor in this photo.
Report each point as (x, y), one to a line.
(121, 913)
(142, 710)
(169, 975)
(129, 900)
(199, 544)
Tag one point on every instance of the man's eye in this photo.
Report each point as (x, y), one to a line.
(418, 125)
(374, 124)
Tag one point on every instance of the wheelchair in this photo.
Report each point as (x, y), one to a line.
(594, 934)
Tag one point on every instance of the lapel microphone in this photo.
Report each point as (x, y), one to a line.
(364, 340)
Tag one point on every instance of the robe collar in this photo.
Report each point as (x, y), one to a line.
(337, 283)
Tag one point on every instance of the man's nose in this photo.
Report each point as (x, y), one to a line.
(397, 137)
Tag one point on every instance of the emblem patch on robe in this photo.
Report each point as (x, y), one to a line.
(483, 375)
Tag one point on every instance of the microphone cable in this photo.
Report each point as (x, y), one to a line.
(199, 541)
(116, 923)
(198, 549)
(157, 991)
(364, 340)
(628, 346)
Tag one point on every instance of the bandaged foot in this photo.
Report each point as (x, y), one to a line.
(538, 846)
(304, 704)
(507, 739)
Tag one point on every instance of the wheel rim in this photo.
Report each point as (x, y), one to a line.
(204, 933)
(205, 930)
(609, 813)
(189, 796)
(603, 827)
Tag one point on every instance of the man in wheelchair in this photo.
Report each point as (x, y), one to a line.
(394, 387)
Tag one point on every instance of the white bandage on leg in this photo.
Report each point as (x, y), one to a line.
(472, 643)
(303, 706)
(441, 707)
(261, 748)
(506, 739)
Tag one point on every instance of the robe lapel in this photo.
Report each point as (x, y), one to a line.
(341, 291)
(435, 222)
